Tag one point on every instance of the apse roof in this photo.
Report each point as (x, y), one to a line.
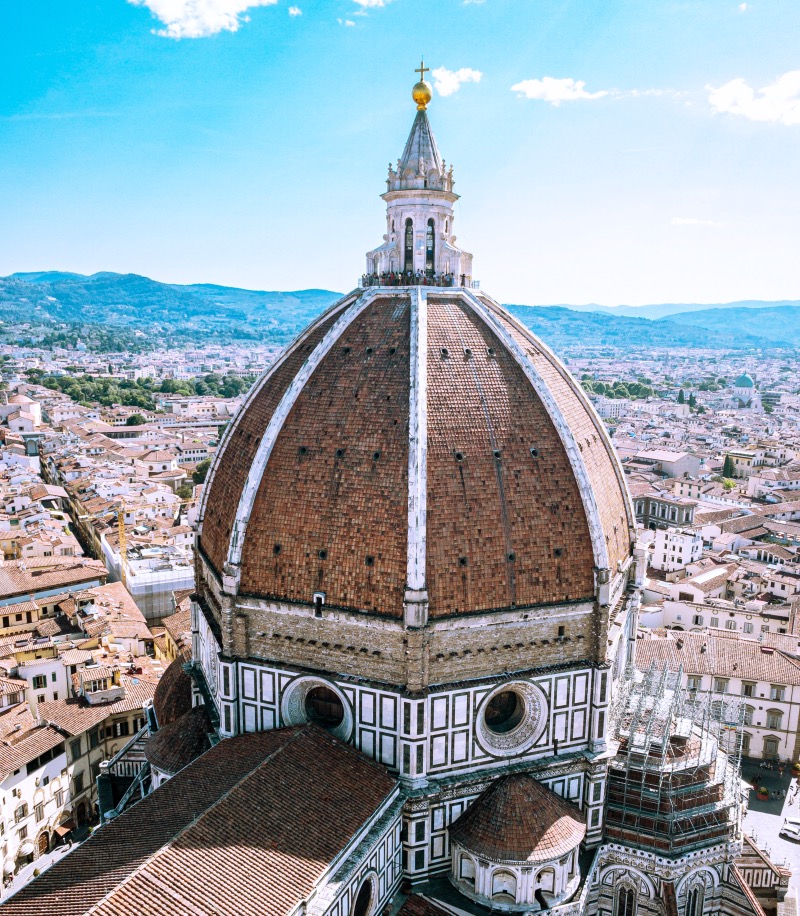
(517, 819)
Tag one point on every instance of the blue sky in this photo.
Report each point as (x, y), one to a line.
(648, 152)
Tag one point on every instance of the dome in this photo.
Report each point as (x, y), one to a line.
(177, 744)
(517, 819)
(416, 439)
(173, 696)
(744, 381)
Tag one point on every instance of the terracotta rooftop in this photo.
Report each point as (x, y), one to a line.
(245, 830)
(720, 654)
(176, 745)
(517, 819)
(173, 696)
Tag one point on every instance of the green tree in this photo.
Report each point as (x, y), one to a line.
(681, 398)
(135, 419)
(692, 400)
(201, 471)
(727, 467)
(185, 490)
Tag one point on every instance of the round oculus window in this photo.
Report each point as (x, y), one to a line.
(310, 699)
(324, 707)
(363, 901)
(504, 712)
(511, 719)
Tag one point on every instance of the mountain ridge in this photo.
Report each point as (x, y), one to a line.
(59, 306)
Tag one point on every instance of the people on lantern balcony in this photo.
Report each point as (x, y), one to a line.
(412, 278)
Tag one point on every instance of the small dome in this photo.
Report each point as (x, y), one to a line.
(176, 745)
(517, 819)
(744, 381)
(173, 696)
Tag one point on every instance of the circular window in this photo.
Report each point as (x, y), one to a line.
(312, 699)
(511, 719)
(504, 712)
(324, 707)
(363, 901)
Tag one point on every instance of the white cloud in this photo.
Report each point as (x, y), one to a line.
(348, 22)
(295, 11)
(199, 18)
(779, 102)
(742, 7)
(449, 81)
(370, 4)
(555, 91)
(692, 221)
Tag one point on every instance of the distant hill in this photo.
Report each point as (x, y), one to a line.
(779, 323)
(110, 311)
(672, 309)
(560, 326)
(173, 312)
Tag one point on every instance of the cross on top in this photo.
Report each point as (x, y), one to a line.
(422, 70)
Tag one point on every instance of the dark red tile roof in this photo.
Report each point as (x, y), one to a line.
(173, 696)
(176, 745)
(245, 830)
(419, 906)
(517, 819)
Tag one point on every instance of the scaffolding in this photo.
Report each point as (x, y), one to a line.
(674, 785)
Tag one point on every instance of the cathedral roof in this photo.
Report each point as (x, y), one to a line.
(517, 819)
(744, 381)
(249, 828)
(420, 146)
(416, 438)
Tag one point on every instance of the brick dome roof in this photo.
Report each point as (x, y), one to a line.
(177, 744)
(415, 439)
(173, 696)
(517, 819)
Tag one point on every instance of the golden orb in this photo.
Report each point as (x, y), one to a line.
(422, 94)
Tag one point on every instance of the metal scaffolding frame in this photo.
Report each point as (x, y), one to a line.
(674, 785)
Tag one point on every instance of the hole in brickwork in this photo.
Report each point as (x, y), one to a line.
(558, 552)
(497, 453)
(340, 453)
(462, 561)
(276, 549)
(445, 354)
(561, 631)
(369, 561)
(369, 350)
(345, 349)
(459, 456)
(467, 353)
(392, 351)
(376, 456)
(534, 453)
(303, 450)
(323, 554)
(511, 557)
(490, 352)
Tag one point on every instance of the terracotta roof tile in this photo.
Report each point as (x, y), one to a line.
(261, 799)
(517, 819)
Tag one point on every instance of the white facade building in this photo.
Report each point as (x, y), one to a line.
(676, 548)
